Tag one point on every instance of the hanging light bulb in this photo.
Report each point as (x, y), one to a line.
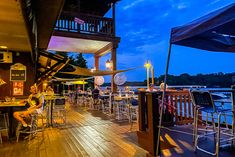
(108, 64)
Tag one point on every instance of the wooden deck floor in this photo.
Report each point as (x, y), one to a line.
(180, 144)
(88, 133)
(92, 134)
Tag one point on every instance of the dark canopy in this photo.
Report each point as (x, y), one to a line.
(213, 32)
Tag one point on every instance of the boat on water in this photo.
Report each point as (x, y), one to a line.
(218, 96)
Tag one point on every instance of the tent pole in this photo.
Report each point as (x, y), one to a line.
(163, 96)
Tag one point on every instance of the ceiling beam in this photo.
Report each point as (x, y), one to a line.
(104, 50)
(86, 36)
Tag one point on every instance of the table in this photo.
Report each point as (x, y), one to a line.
(10, 105)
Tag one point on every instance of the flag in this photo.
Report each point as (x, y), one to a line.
(79, 21)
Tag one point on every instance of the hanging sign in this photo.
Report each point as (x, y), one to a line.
(18, 72)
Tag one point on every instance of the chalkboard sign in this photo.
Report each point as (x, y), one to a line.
(18, 72)
(18, 75)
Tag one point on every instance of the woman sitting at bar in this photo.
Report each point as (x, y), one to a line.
(35, 105)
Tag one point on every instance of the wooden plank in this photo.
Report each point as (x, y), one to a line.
(185, 109)
(190, 108)
(176, 109)
(181, 109)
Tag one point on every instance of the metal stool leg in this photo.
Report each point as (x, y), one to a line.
(196, 130)
(218, 136)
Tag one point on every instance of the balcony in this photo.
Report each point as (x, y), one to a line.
(87, 24)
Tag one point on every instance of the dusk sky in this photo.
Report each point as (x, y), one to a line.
(144, 27)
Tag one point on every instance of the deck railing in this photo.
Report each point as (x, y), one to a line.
(86, 24)
(179, 106)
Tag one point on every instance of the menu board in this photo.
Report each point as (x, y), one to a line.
(18, 75)
(18, 72)
(18, 88)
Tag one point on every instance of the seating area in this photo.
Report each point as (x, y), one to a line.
(119, 107)
(90, 131)
(86, 133)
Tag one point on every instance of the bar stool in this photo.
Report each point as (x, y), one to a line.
(59, 111)
(133, 111)
(33, 124)
(4, 125)
(203, 101)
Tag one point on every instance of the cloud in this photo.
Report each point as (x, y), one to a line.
(179, 5)
(136, 2)
(165, 14)
(213, 2)
(153, 47)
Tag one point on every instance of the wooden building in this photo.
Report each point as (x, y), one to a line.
(29, 28)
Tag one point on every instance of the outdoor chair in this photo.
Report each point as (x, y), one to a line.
(90, 101)
(33, 122)
(97, 103)
(44, 115)
(31, 131)
(4, 125)
(121, 108)
(203, 102)
(59, 111)
(106, 103)
(133, 111)
(80, 99)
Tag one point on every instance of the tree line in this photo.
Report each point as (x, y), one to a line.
(210, 80)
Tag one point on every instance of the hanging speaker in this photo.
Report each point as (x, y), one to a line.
(5, 57)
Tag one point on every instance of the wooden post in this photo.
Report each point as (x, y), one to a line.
(142, 107)
(152, 72)
(97, 60)
(114, 67)
(149, 114)
(114, 19)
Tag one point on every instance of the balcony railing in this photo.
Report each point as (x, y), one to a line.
(87, 24)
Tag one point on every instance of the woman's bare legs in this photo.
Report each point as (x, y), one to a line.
(19, 117)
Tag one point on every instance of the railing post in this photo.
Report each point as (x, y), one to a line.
(142, 111)
(148, 122)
